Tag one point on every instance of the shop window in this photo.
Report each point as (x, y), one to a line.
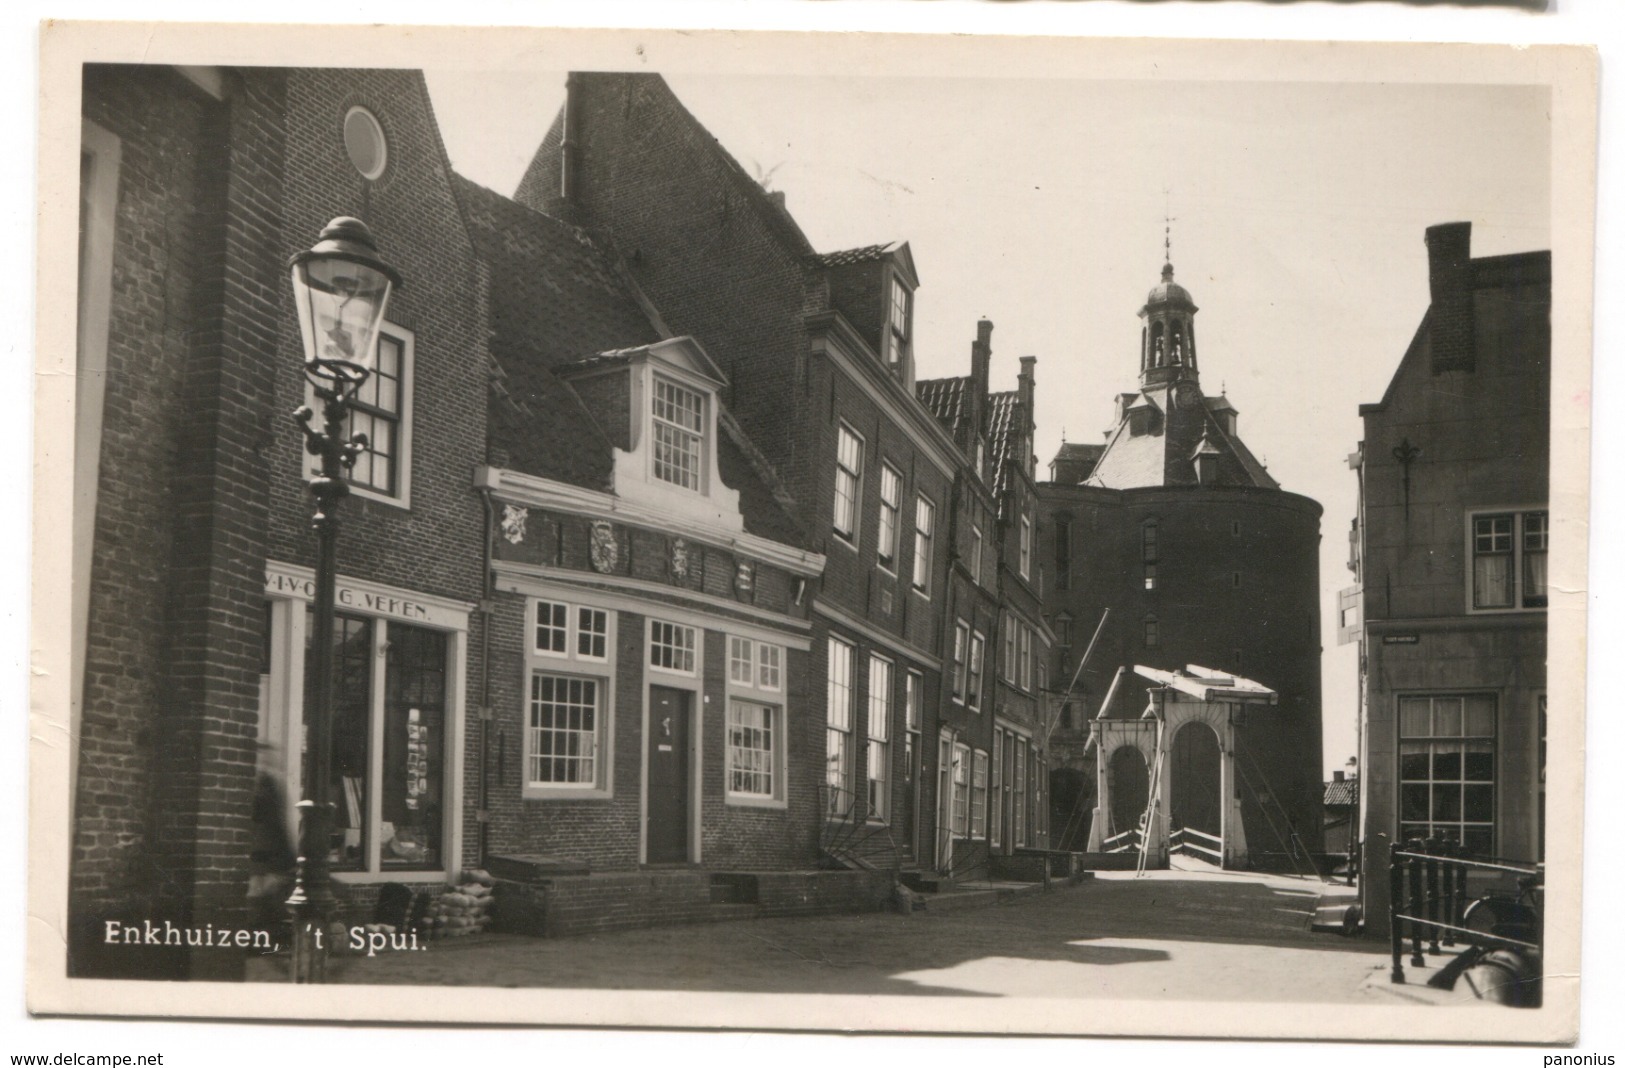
(879, 761)
(1447, 770)
(1509, 560)
(848, 482)
(397, 817)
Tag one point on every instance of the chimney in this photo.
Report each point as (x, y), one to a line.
(569, 134)
(777, 197)
(981, 353)
(1450, 285)
(1024, 385)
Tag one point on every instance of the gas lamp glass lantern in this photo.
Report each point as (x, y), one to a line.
(342, 290)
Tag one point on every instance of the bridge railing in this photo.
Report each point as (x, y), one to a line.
(1429, 898)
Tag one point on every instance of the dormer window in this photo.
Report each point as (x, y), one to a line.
(898, 325)
(679, 434)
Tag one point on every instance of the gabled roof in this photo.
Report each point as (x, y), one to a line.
(558, 302)
(945, 398)
(846, 256)
(1004, 436)
(555, 297)
(1341, 793)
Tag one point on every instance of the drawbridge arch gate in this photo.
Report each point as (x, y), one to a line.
(1195, 695)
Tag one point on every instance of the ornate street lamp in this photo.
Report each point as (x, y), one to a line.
(341, 289)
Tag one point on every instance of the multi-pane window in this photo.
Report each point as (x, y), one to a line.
(924, 523)
(552, 627)
(995, 819)
(562, 742)
(1009, 648)
(556, 622)
(671, 647)
(848, 480)
(377, 410)
(1152, 632)
(592, 633)
(978, 796)
(897, 323)
(838, 734)
(891, 502)
(679, 434)
(1026, 546)
(879, 764)
(756, 664)
(961, 798)
(913, 705)
(974, 691)
(976, 554)
(1024, 655)
(961, 653)
(1447, 769)
(751, 749)
(1509, 560)
(1018, 800)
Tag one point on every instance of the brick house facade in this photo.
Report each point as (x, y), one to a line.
(194, 552)
(1450, 564)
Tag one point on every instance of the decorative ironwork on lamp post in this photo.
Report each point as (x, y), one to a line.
(341, 288)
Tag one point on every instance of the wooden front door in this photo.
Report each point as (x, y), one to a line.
(669, 712)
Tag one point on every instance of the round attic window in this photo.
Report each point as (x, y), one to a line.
(364, 141)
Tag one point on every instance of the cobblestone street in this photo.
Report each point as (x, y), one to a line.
(1173, 935)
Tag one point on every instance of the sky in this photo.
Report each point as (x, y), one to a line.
(1295, 214)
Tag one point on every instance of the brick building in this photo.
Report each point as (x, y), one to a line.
(1450, 560)
(994, 728)
(194, 550)
(817, 351)
(1202, 559)
(650, 627)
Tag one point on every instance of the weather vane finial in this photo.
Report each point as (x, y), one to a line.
(1167, 228)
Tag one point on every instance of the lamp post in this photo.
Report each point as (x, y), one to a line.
(341, 289)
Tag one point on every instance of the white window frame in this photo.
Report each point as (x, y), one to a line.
(1026, 546)
(402, 497)
(571, 663)
(961, 790)
(1520, 517)
(572, 629)
(924, 533)
(976, 554)
(899, 322)
(978, 655)
(890, 529)
(879, 727)
(961, 654)
(852, 477)
(701, 438)
(995, 792)
(978, 805)
(1438, 743)
(760, 685)
(693, 648)
(913, 714)
(1024, 654)
(840, 698)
